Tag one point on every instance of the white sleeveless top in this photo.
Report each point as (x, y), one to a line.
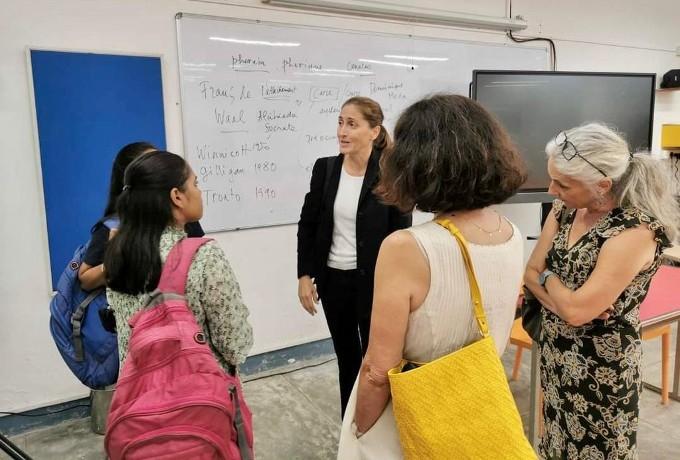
(445, 321)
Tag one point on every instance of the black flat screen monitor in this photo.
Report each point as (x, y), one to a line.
(535, 106)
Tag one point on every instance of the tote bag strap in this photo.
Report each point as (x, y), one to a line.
(472, 278)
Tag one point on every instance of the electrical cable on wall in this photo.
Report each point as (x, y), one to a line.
(553, 51)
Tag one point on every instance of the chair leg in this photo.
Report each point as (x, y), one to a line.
(665, 363)
(518, 361)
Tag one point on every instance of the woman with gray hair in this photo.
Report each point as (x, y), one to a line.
(591, 271)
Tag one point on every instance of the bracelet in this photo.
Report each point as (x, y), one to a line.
(375, 377)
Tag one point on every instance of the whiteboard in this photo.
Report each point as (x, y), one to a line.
(260, 102)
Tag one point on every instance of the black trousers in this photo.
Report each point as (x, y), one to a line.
(348, 323)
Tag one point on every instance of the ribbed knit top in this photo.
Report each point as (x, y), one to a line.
(445, 321)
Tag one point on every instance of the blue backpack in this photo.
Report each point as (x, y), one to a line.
(88, 349)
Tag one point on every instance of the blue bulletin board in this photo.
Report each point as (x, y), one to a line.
(87, 107)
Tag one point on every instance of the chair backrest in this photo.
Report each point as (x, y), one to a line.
(663, 297)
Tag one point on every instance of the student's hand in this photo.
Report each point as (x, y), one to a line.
(307, 294)
(112, 233)
(607, 313)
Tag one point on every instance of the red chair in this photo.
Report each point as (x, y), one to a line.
(658, 311)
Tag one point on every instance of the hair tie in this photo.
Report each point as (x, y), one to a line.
(126, 187)
(632, 157)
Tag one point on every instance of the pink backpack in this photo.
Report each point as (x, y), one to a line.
(173, 400)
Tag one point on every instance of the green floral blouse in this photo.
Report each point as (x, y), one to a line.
(213, 295)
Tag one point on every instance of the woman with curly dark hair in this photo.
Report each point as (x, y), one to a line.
(453, 159)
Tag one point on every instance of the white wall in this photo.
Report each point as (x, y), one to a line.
(31, 371)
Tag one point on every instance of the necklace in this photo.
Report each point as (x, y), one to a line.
(489, 233)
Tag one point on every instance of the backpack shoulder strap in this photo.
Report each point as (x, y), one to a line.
(111, 223)
(177, 265)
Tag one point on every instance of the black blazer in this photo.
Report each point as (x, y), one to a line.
(315, 229)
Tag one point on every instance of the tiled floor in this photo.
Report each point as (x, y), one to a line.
(297, 416)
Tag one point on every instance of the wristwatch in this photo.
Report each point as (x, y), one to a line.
(543, 276)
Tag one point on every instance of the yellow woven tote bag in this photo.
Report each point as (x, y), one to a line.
(459, 406)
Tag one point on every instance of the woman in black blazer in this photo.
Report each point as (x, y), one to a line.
(342, 225)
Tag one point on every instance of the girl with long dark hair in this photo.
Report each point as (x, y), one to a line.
(160, 196)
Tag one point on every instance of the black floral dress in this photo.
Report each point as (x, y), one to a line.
(590, 375)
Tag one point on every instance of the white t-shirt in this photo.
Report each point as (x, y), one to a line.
(343, 253)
